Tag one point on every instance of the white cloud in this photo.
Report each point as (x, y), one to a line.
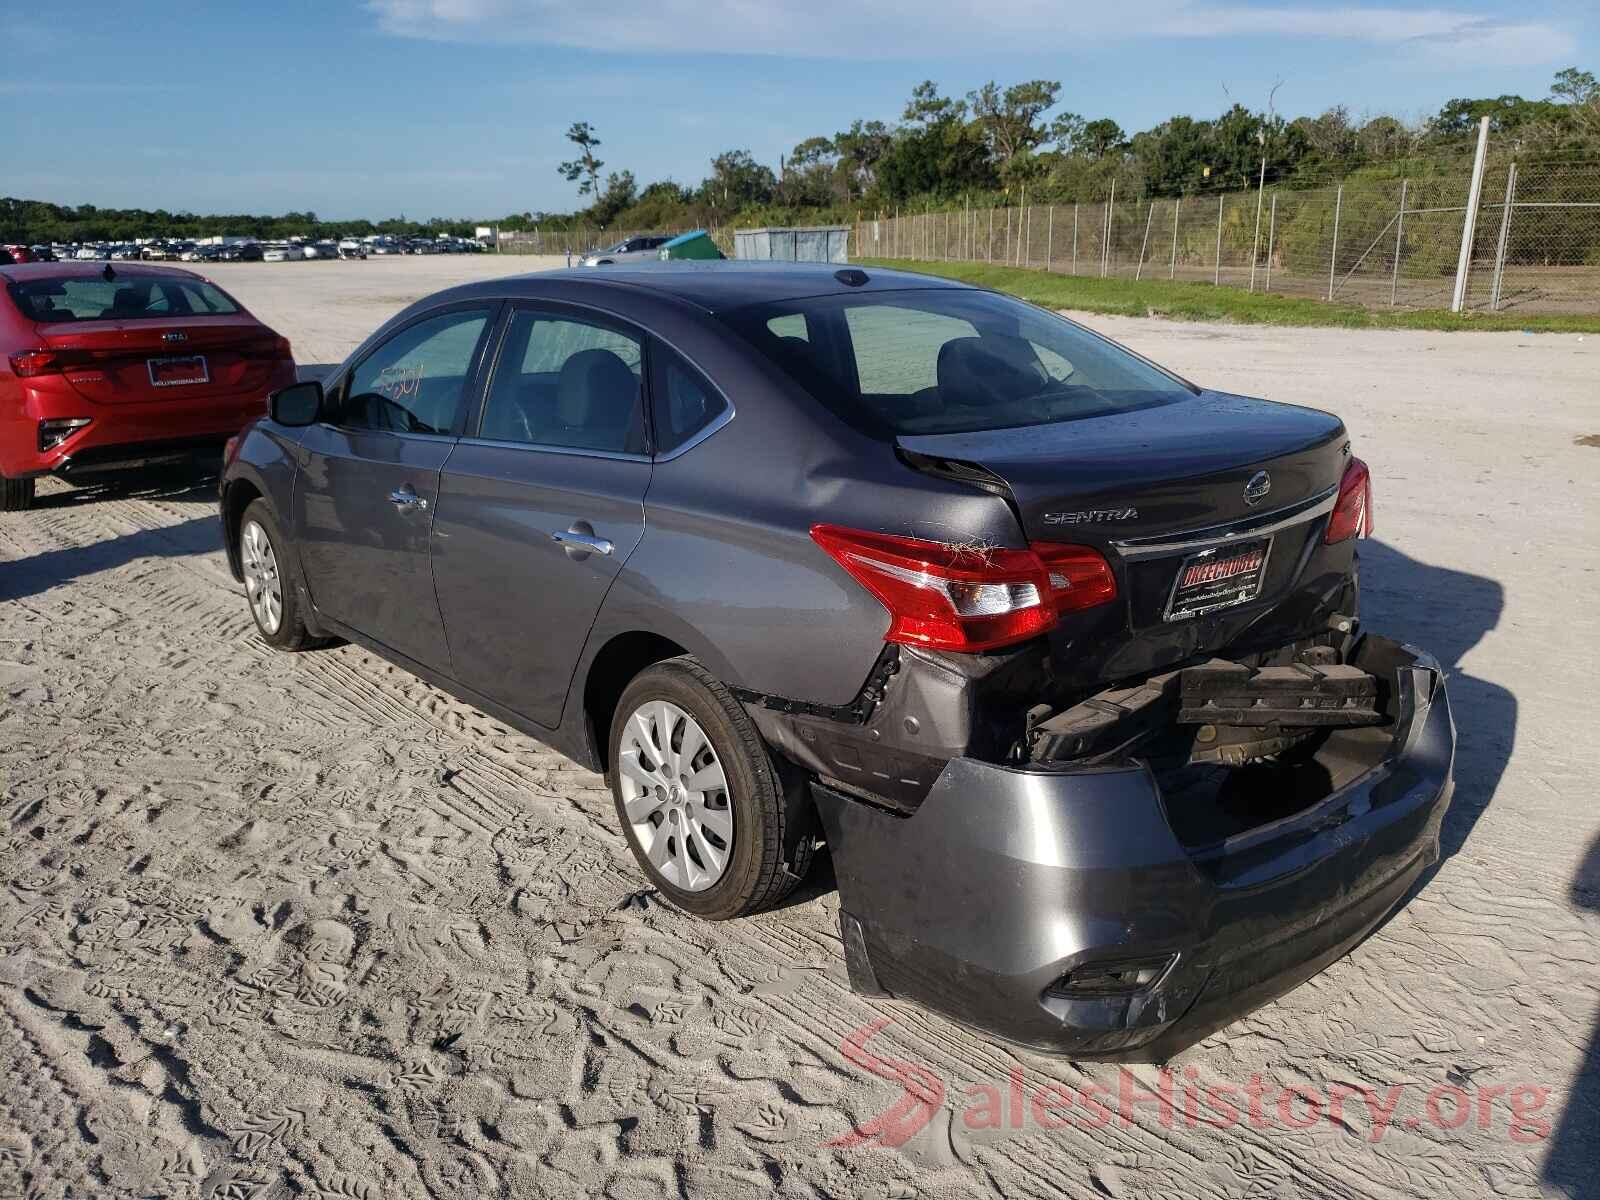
(852, 29)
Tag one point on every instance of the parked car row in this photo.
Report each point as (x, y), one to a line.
(20, 253)
(236, 250)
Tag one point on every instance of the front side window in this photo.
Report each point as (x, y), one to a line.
(951, 360)
(567, 383)
(413, 383)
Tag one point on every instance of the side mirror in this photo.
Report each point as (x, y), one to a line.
(298, 404)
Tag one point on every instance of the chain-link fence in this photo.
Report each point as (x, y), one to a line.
(1534, 242)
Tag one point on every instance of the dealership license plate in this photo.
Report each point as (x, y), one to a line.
(175, 372)
(1219, 578)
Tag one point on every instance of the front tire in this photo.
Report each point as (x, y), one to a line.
(269, 581)
(698, 795)
(16, 495)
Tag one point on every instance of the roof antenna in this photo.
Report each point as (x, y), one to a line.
(108, 274)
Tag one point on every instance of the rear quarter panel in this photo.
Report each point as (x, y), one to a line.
(727, 567)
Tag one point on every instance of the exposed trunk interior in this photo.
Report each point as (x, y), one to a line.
(1237, 746)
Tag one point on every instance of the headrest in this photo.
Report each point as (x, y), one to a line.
(596, 388)
(995, 368)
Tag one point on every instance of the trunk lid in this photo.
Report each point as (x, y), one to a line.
(1161, 470)
(1150, 489)
(108, 362)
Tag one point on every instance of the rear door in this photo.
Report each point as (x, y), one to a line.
(368, 484)
(541, 506)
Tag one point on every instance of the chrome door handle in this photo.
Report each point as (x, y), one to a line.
(406, 497)
(574, 542)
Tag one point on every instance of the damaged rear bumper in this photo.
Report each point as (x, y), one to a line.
(1008, 896)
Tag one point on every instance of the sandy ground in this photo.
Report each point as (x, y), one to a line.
(301, 925)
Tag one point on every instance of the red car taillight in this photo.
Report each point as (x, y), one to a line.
(31, 363)
(270, 346)
(954, 597)
(1352, 512)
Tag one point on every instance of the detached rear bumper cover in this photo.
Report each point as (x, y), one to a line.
(1007, 879)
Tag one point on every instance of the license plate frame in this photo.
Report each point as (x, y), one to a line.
(1229, 590)
(154, 365)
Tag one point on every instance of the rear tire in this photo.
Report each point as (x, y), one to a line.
(271, 581)
(716, 849)
(16, 495)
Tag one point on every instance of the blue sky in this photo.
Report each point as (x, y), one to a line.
(457, 107)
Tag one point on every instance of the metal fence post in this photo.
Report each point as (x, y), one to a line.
(1333, 258)
(1399, 245)
(988, 246)
(1138, 272)
(1505, 231)
(1177, 207)
(1025, 228)
(1217, 277)
(1105, 234)
(1074, 237)
(1272, 231)
(1049, 234)
(1469, 223)
(1255, 243)
(966, 224)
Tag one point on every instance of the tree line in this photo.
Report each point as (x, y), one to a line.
(995, 141)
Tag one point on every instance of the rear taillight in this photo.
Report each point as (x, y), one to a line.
(270, 347)
(964, 597)
(230, 450)
(31, 363)
(1352, 512)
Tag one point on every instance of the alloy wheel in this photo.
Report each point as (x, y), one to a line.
(675, 793)
(261, 580)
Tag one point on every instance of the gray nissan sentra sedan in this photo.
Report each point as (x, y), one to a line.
(1057, 653)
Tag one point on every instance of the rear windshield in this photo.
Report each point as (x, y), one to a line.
(949, 361)
(124, 299)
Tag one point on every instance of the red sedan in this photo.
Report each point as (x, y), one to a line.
(105, 367)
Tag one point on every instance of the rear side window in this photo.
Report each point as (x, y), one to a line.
(567, 383)
(684, 403)
(954, 360)
(127, 298)
(413, 382)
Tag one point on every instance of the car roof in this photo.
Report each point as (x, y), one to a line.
(721, 285)
(90, 268)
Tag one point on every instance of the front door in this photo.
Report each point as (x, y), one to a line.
(368, 484)
(539, 510)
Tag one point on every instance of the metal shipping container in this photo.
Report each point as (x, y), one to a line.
(811, 243)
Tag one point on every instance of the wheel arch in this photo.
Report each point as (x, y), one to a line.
(613, 667)
(237, 497)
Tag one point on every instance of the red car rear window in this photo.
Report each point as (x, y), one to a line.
(126, 299)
